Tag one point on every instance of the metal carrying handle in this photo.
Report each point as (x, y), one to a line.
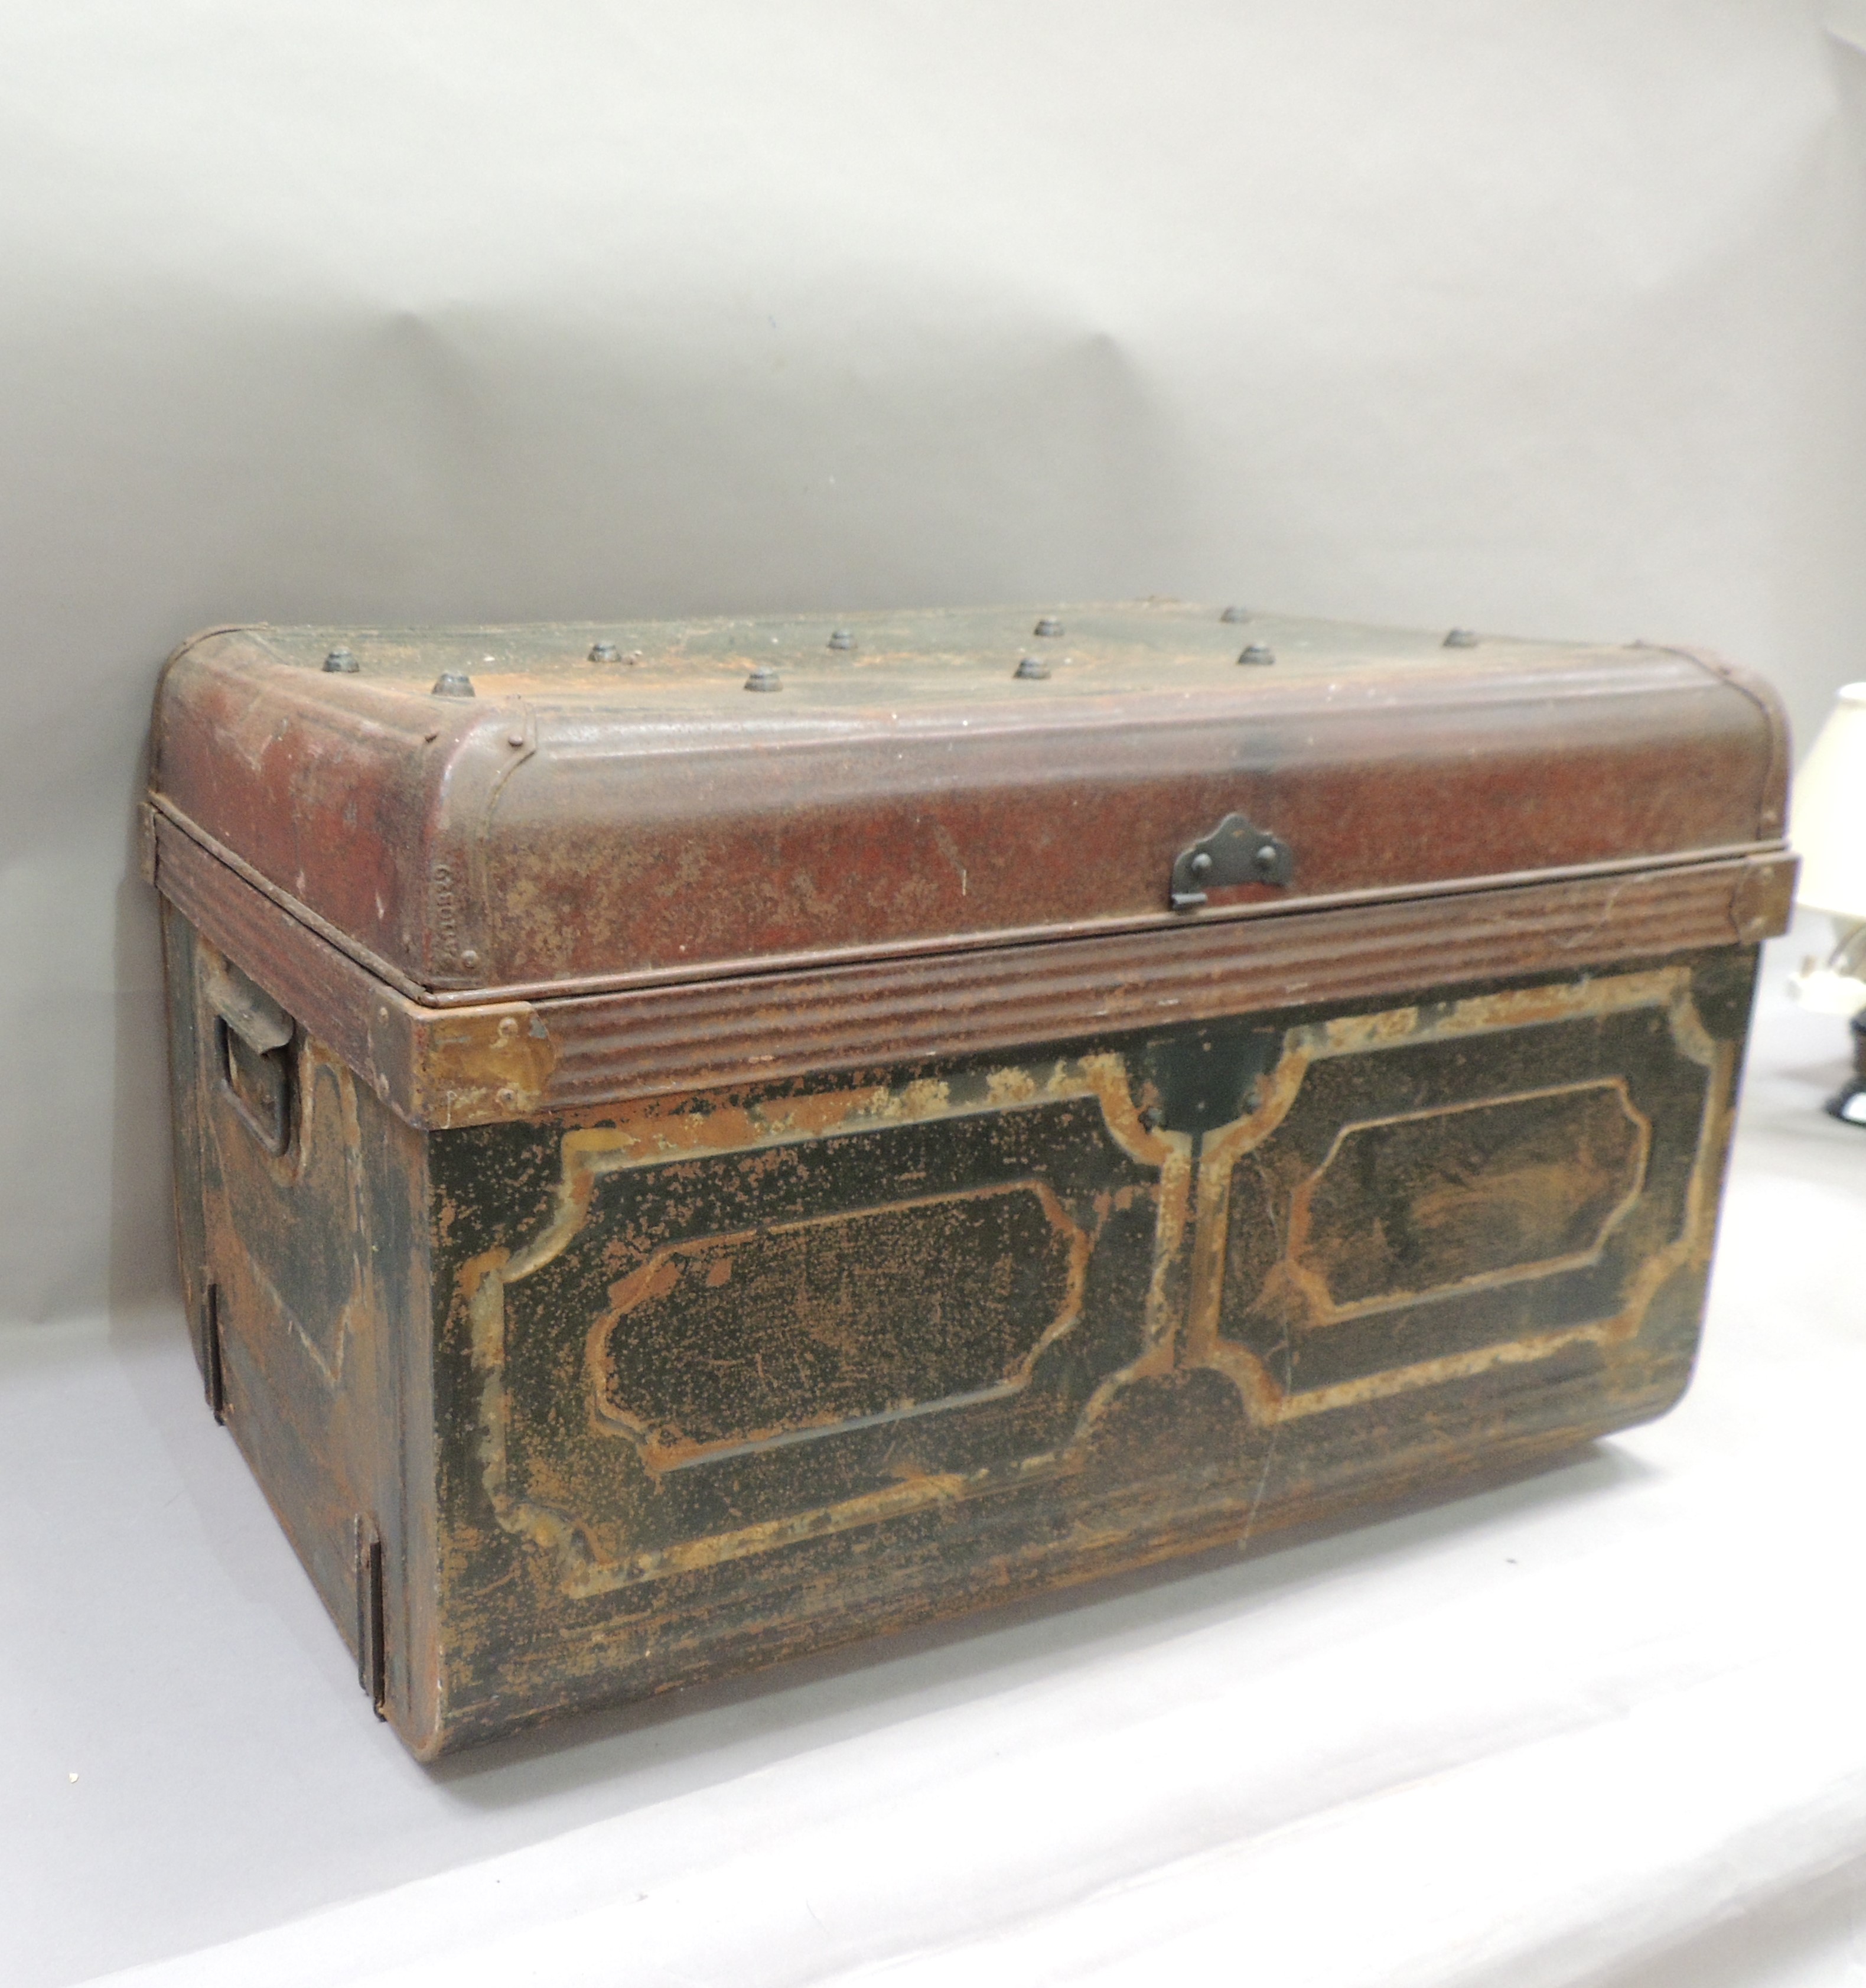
(259, 1084)
(249, 1011)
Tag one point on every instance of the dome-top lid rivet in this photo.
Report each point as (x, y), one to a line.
(602, 652)
(841, 638)
(1256, 653)
(452, 683)
(1461, 638)
(1031, 669)
(1049, 625)
(340, 662)
(764, 677)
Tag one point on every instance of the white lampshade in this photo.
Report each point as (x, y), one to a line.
(1827, 825)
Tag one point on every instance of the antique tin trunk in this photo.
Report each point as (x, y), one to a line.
(670, 1178)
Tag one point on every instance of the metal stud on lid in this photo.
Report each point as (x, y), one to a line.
(841, 638)
(1236, 614)
(602, 652)
(1461, 638)
(1256, 654)
(340, 662)
(1049, 625)
(764, 677)
(453, 683)
(1031, 669)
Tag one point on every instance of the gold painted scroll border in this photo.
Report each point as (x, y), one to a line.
(652, 1138)
(1268, 1403)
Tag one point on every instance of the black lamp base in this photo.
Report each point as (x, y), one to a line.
(1848, 1105)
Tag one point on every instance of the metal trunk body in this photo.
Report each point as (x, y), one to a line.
(670, 1179)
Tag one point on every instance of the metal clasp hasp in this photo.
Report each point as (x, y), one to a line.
(1236, 852)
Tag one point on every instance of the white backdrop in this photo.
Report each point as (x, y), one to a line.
(1547, 316)
(1543, 317)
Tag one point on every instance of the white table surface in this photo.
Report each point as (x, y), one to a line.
(1605, 1725)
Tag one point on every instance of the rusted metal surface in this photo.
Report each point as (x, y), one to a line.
(574, 822)
(443, 1066)
(210, 882)
(1546, 1220)
(640, 1394)
(659, 1318)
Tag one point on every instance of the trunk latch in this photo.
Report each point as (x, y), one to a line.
(1236, 852)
